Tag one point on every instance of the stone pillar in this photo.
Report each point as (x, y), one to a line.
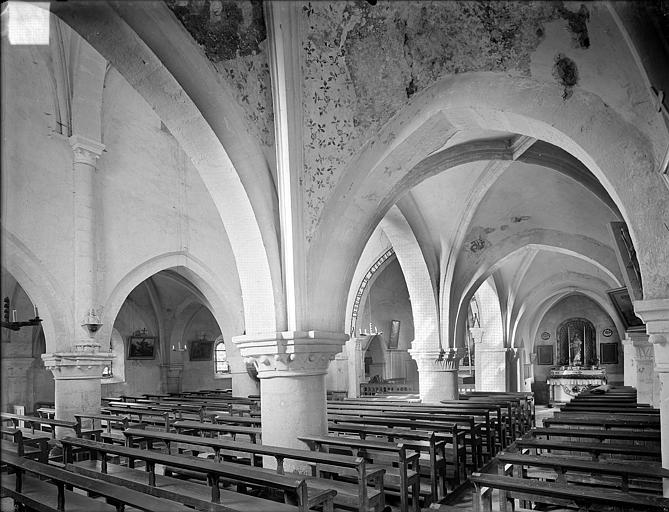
(639, 366)
(490, 368)
(86, 312)
(356, 368)
(292, 367)
(490, 363)
(77, 377)
(437, 374)
(655, 314)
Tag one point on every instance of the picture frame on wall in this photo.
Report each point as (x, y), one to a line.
(201, 350)
(623, 303)
(141, 345)
(545, 354)
(608, 353)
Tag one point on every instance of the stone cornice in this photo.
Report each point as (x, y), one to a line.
(86, 151)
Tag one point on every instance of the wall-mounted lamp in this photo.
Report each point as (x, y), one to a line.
(15, 325)
(91, 321)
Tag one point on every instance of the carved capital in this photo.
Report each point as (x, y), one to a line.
(638, 347)
(86, 151)
(76, 365)
(437, 361)
(291, 353)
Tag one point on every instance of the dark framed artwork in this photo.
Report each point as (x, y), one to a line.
(201, 350)
(142, 346)
(608, 353)
(623, 304)
(545, 354)
(394, 339)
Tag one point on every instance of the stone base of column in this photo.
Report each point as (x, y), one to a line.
(77, 381)
(437, 375)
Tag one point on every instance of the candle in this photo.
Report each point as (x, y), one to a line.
(173, 348)
(13, 315)
(36, 313)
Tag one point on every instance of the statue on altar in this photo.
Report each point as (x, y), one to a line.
(576, 350)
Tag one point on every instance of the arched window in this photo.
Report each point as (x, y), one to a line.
(220, 357)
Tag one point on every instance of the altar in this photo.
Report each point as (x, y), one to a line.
(568, 381)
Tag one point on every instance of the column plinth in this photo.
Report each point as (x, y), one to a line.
(77, 381)
(437, 374)
(291, 367)
(655, 314)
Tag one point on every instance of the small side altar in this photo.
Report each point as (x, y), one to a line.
(568, 381)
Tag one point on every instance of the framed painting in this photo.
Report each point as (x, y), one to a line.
(201, 350)
(394, 338)
(545, 354)
(141, 345)
(623, 304)
(608, 353)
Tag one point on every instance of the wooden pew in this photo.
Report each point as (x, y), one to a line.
(594, 449)
(605, 421)
(587, 472)
(179, 412)
(577, 496)
(407, 419)
(349, 495)
(210, 497)
(404, 478)
(601, 435)
(44, 487)
(108, 434)
(436, 459)
(33, 428)
(612, 409)
(189, 427)
(36, 448)
(517, 411)
(450, 433)
(141, 415)
(481, 414)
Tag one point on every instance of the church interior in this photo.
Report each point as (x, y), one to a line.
(347, 255)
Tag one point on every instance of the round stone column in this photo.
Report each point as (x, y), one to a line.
(291, 367)
(437, 374)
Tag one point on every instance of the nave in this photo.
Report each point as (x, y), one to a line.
(313, 204)
(204, 451)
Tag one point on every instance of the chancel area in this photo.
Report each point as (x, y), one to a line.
(350, 255)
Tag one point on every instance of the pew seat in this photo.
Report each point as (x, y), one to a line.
(581, 497)
(42, 487)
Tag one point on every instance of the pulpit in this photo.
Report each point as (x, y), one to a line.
(568, 381)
